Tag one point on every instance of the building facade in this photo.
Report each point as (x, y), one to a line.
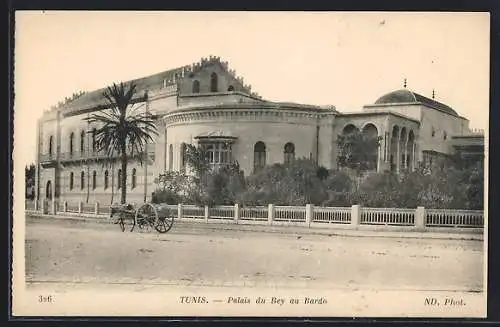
(207, 105)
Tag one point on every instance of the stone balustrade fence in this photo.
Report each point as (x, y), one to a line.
(308, 215)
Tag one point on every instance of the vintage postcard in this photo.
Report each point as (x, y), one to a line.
(296, 164)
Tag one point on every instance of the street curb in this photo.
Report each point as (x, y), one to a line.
(290, 230)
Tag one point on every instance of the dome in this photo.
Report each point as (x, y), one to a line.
(407, 96)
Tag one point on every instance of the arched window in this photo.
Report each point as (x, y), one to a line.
(94, 142)
(170, 157)
(82, 180)
(119, 179)
(259, 156)
(106, 179)
(445, 135)
(71, 139)
(371, 150)
(134, 178)
(51, 140)
(183, 155)
(230, 88)
(71, 180)
(196, 86)
(289, 153)
(213, 83)
(94, 180)
(82, 141)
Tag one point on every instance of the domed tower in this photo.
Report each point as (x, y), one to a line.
(437, 121)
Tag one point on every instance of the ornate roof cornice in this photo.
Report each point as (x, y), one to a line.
(246, 112)
(377, 113)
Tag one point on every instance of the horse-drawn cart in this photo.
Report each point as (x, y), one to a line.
(145, 216)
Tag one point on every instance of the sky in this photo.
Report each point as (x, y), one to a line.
(345, 59)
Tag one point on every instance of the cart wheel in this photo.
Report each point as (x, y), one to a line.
(121, 222)
(143, 224)
(146, 216)
(164, 224)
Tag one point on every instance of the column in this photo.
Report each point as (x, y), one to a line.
(413, 146)
(387, 151)
(165, 147)
(379, 156)
(326, 142)
(405, 153)
(387, 146)
(398, 153)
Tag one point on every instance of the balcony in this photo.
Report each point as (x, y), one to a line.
(96, 155)
(72, 156)
(47, 157)
(48, 160)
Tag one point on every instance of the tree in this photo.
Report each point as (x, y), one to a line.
(475, 187)
(338, 186)
(197, 159)
(29, 173)
(358, 151)
(222, 186)
(124, 131)
(379, 190)
(225, 185)
(173, 187)
(295, 183)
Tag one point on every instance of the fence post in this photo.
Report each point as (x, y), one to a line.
(355, 215)
(420, 218)
(236, 212)
(179, 210)
(80, 206)
(270, 213)
(206, 214)
(309, 214)
(96, 208)
(65, 206)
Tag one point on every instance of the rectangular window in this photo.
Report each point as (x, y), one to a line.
(218, 153)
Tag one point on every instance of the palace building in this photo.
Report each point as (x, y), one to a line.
(206, 104)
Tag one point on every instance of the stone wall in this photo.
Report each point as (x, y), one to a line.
(444, 126)
(99, 193)
(224, 80)
(274, 133)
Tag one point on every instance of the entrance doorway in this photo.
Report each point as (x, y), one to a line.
(48, 191)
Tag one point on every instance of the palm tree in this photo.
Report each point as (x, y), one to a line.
(123, 131)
